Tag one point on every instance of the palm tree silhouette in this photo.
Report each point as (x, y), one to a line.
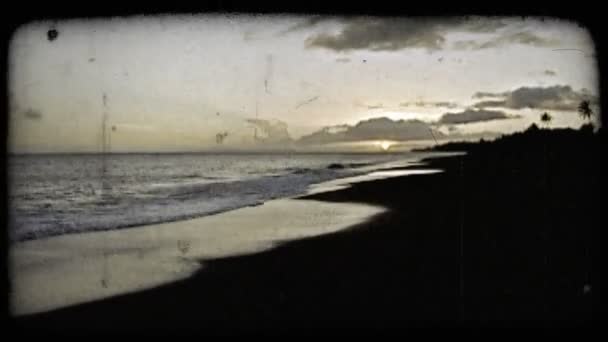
(546, 118)
(585, 110)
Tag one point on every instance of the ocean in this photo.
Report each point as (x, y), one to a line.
(71, 193)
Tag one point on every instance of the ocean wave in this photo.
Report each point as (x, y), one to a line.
(166, 204)
(118, 204)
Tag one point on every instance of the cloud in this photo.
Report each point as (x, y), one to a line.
(380, 34)
(32, 114)
(481, 94)
(438, 104)
(391, 34)
(342, 60)
(549, 72)
(467, 24)
(376, 106)
(522, 37)
(478, 24)
(490, 103)
(473, 115)
(307, 23)
(557, 97)
(270, 131)
(381, 128)
(336, 128)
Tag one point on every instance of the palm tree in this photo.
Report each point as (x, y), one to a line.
(585, 110)
(546, 118)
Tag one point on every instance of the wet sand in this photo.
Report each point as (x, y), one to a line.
(66, 270)
(60, 271)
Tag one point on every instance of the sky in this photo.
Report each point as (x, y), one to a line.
(242, 82)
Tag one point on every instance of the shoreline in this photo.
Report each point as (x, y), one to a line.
(451, 250)
(130, 256)
(355, 170)
(80, 268)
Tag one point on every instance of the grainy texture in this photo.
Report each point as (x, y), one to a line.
(526, 224)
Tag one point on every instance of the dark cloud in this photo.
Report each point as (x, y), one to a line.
(373, 129)
(444, 104)
(390, 34)
(472, 115)
(438, 104)
(32, 114)
(523, 37)
(558, 97)
(270, 131)
(482, 94)
(380, 34)
(490, 103)
(466, 23)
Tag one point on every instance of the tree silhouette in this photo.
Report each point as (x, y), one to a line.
(546, 118)
(585, 110)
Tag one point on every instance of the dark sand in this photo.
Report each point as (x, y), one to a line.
(501, 238)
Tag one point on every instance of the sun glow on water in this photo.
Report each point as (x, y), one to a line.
(385, 145)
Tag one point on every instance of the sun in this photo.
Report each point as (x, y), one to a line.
(385, 145)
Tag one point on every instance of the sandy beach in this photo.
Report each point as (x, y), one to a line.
(450, 249)
(72, 269)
